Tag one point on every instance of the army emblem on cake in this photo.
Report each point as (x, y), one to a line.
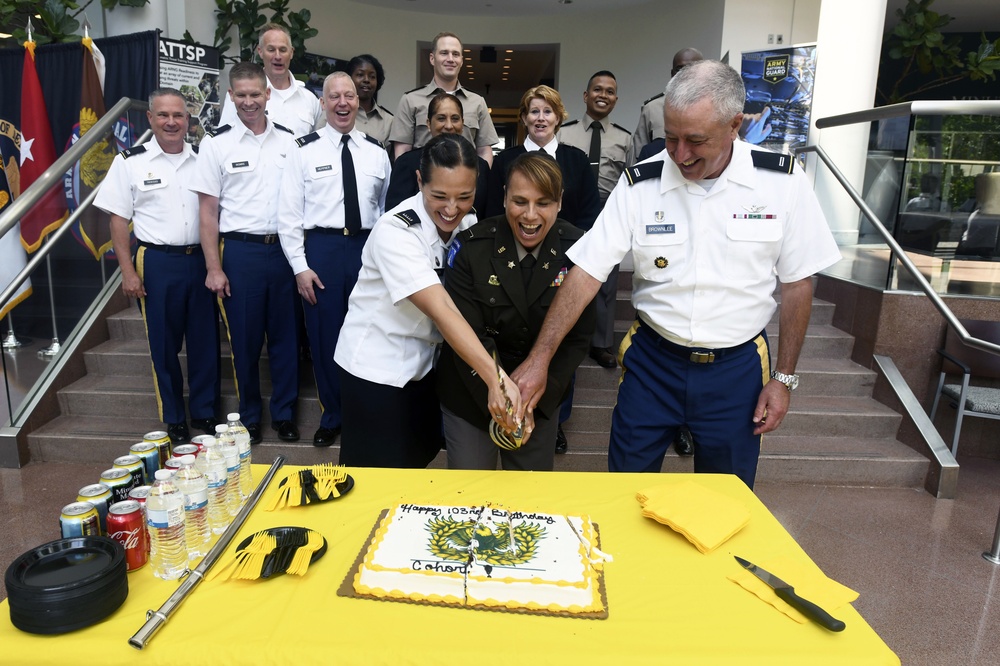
(497, 544)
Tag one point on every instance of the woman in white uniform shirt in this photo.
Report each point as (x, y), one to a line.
(397, 315)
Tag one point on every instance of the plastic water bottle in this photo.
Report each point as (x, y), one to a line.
(165, 516)
(193, 484)
(242, 437)
(232, 454)
(212, 464)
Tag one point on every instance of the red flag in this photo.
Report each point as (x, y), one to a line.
(94, 223)
(38, 152)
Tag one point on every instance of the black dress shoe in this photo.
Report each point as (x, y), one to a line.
(603, 357)
(254, 430)
(561, 443)
(684, 442)
(178, 433)
(207, 426)
(287, 431)
(325, 436)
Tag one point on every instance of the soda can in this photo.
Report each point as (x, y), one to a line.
(134, 465)
(150, 457)
(200, 441)
(173, 464)
(127, 526)
(187, 449)
(79, 519)
(139, 494)
(99, 495)
(162, 441)
(120, 481)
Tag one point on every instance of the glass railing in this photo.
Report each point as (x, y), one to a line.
(932, 176)
(68, 271)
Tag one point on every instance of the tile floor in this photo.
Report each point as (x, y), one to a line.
(915, 560)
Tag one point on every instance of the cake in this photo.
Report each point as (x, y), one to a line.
(483, 557)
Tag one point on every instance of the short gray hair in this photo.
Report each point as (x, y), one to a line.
(165, 92)
(337, 75)
(709, 79)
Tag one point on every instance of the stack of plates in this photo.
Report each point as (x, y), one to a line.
(66, 584)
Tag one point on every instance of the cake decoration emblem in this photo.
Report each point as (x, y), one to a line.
(498, 545)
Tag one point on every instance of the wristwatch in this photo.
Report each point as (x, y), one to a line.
(791, 382)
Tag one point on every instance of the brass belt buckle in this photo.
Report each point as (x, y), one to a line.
(702, 357)
(269, 239)
(347, 232)
(189, 249)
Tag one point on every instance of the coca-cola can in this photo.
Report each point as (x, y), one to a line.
(201, 440)
(186, 449)
(127, 526)
(173, 464)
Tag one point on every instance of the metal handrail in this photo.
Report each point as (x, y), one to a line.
(901, 255)
(65, 162)
(983, 107)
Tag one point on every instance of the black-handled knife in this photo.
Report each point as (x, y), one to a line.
(787, 594)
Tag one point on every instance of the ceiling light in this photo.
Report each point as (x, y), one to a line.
(510, 50)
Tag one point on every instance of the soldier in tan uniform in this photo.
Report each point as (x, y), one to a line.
(651, 115)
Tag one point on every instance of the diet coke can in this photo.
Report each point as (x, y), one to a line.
(127, 526)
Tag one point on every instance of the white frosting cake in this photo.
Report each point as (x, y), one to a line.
(483, 556)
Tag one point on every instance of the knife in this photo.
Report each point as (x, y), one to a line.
(787, 594)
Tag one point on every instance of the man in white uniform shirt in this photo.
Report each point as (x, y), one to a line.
(333, 191)
(710, 222)
(148, 186)
(291, 104)
(238, 181)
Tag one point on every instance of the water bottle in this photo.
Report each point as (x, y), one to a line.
(242, 437)
(165, 515)
(232, 454)
(193, 484)
(212, 464)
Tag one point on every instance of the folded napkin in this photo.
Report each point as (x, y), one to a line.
(809, 583)
(705, 517)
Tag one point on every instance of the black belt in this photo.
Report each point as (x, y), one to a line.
(264, 239)
(694, 354)
(337, 231)
(172, 249)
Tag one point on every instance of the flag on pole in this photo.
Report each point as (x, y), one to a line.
(12, 256)
(37, 154)
(94, 224)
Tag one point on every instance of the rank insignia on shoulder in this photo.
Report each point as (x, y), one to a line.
(652, 98)
(660, 262)
(220, 130)
(493, 281)
(571, 122)
(307, 139)
(375, 141)
(136, 150)
(456, 245)
(773, 161)
(409, 216)
(622, 128)
(644, 171)
(283, 128)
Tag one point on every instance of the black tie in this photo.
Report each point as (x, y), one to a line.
(595, 146)
(352, 212)
(527, 265)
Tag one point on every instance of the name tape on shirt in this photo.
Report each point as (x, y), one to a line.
(325, 167)
(240, 165)
(652, 229)
(155, 181)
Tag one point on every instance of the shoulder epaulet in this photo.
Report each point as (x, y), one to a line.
(220, 130)
(385, 109)
(409, 216)
(307, 139)
(135, 150)
(375, 141)
(194, 148)
(644, 171)
(621, 128)
(773, 161)
(652, 98)
(415, 89)
(283, 128)
(572, 122)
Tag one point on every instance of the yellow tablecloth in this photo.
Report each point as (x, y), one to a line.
(667, 601)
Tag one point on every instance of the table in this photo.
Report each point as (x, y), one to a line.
(667, 601)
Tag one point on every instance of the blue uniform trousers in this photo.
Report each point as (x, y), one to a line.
(262, 305)
(336, 259)
(178, 306)
(662, 389)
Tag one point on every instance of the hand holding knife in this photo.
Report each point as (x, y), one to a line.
(787, 594)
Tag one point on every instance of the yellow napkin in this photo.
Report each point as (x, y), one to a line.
(809, 583)
(705, 517)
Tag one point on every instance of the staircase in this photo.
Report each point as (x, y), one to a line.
(834, 433)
